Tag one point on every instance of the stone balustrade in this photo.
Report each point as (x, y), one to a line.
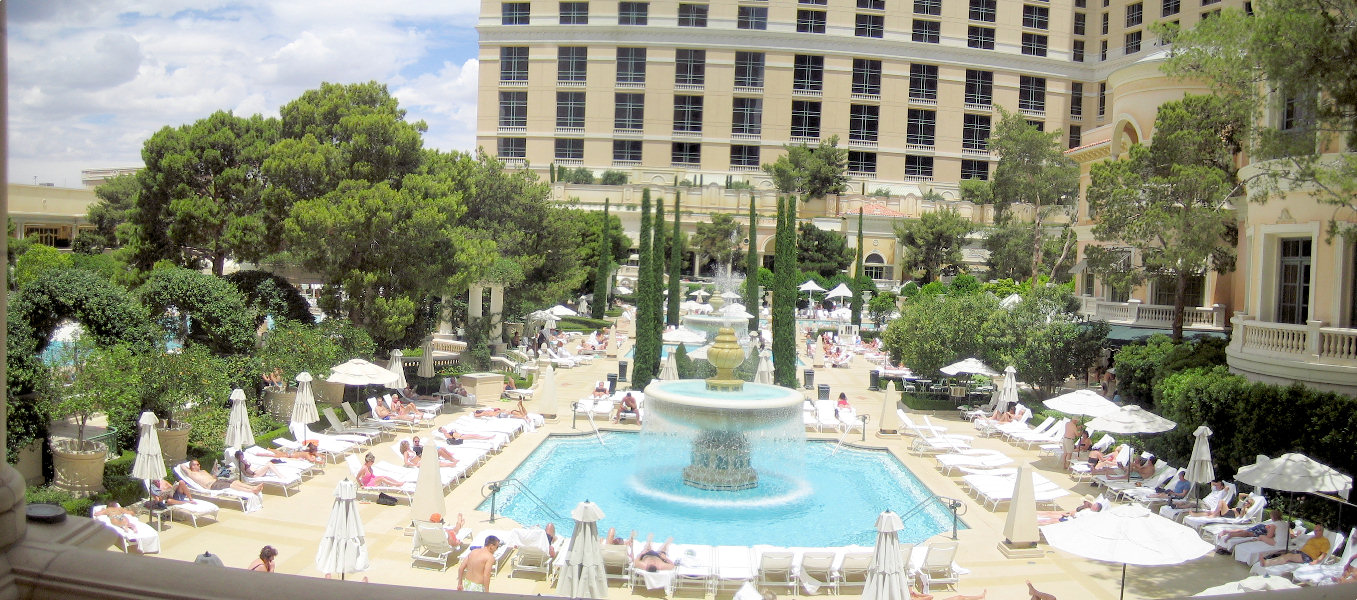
(1319, 356)
(1138, 314)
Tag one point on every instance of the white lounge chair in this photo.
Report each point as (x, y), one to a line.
(696, 567)
(852, 572)
(825, 415)
(338, 426)
(193, 509)
(908, 422)
(734, 567)
(287, 479)
(937, 567)
(817, 571)
(1253, 514)
(431, 546)
(974, 458)
(1328, 571)
(775, 569)
(534, 552)
(405, 491)
(1335, 538)
(248, 501)
(406, 424)
(143, 537)
(370, 420)
(617, 563)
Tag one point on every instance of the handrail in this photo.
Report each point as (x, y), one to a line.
(496, 486)
(110, 439)
(953, 504)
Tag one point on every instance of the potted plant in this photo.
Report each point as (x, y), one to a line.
(178, 387)
(83, 386)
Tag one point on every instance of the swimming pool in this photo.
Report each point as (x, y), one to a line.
(834, 503)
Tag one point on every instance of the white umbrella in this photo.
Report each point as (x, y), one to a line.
(764, 373)
(428, 498)
(1130, 419)
(343, 548)
(1081, 402)
(360, 372)
(1199, 467)
(684, 335)
(304, 407)
(583, 575)
(584, 307)
(239, 434)
(397, 368)
(810, 286)
(1007, 393)
(542, 316)
(840, 291)
(1294, 473)
(621, 289)
(150, 463)
(544, 399)
(886, 575)
(1128, 534)
(842, 313)
(561, 311)
(1256, 583)
(426, 369)
(692, 306)
(669, 370)
(700, 293)
(970, 365)
(730, 295)
(735, 311)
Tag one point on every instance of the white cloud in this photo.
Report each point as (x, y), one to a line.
(446, 100)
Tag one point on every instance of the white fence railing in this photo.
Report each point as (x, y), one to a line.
(1138, 314)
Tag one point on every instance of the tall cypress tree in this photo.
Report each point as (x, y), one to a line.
(675, 265)
(784, 295)
(657, 265)
(644, 307)
(751, 268)
(856, 306)
(605, 263)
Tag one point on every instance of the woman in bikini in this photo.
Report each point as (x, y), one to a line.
(367, 478)
(248, 470)
(412, 458)
(309, 452)
(265, 560)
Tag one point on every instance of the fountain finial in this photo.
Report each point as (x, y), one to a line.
(725, 355)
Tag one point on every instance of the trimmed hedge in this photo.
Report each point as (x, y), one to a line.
(927, 402)
(1140, 367)
(215, 311)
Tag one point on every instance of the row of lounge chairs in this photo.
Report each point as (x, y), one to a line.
(824, 415)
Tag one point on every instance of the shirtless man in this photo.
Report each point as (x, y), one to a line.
(1068, 441)
(117, 515)
(208, 481)
(171, 493)
(474, 574)
(654, 560)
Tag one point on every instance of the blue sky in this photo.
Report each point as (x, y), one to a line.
(90, 80)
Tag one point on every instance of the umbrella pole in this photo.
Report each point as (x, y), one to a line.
(1123, 582)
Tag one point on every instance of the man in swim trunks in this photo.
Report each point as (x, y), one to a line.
(654, 560)
(208, 481)
(474, 574)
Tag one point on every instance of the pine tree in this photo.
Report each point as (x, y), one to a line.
(675, 265)
(605, 260)
(644, 315)
(857, 278)
(751, 268)
(784, 295)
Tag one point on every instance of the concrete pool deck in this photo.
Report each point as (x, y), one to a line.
(294, 524)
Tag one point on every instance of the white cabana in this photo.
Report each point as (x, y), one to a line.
(1130, 419)
(969, 366)
(1128, 534)
(840, 291)
(1081, 402)
(150, 462)
(583, 575)
(343, 547)
(560, 310)
(887, 577)
(397, 368)
(810, 286)
(239, 433)
(1294, 473)
(304, 406)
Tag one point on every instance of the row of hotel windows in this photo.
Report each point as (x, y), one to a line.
(747, 118)
(690, 153)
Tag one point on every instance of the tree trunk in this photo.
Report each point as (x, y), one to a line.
(219, 264)
(1037, 238)
(1179, 299)
(1064, 251)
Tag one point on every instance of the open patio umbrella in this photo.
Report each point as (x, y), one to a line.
(1007, 393)
(699, 293)
(583, 575)
(730, 295)
(970, 366)
(840, 291)
(560, 310)
(684, 335)
(426, 369)
(1128, 534)
(1130, 419)
(1294, 473)
(397, 368)
(1081, 402)
(360, 372)
(304, 407)
(343, 548)
(810, 286)
(669, 370)
(239, 434)
(887, 578)
(542, 316)
(428, 498)
(764, 373)
(150, 463)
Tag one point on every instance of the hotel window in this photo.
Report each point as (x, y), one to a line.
(690, 66)
(1104, 23)
(1209, 2)
(867, 76)
(1077, 54)
(749, 69)
(744, 156)
(1081, 3)
(873, 26)
(979, 87)
(1102, 50)
(983, 10)
(808, 74)
(1135, 14)
(1133, 42)
(928, 7)
(918, 166)
(805, 119)
(813, 2)
(1102, 98)
(1037, 125)
(631, 65)
(1171, 7)
(570, 109)
(747, 116)
(1194, 290)
(692, 15)
(513, 63)
(921, 127)
(927, 32)
(1076, 100)
(629, 111)
(571, 63)
(872, 4)
(633, 13)
(1079, 21)
(513, 109)
(686, 153)
(627, 150)
(1036, 17)
(752, 17)
(1031, 93)
(810, 21)
(515, 13)
(574, 13)
(688, 114)
(1293, 281)
(570, 149)
(974, 169)
(861, 162)
(1076, 136)
(512, 147)
(975, 132)
(1033, 44)
(923, 82)
(874, 267)
(980, 37)
(863, 122)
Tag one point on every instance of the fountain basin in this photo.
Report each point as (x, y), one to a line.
(758, 406)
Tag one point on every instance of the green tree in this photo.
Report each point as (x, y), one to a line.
(116, 197)
(1034, 170)
(820, 251)
(642, 372)
(785, 273)
(858, 289)
(658, 262)
(604, 268)
(201, 194)
(1044, 338)
(977, 191)
(676, 245)
(38, 262)
(717, 240)
(1167, 201)
(809, 172)
(1009, 243)
(882, 306)
(955, 327)
(933, 241)
(751, 268)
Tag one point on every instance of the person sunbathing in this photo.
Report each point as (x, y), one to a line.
(445, 458)
(1314, 549)
(387, 414)
(310, 452)
(405, 409)
(452, 434)
(1140, 468)
(913, 595)
(627, 405)
(367, 478)
(615, 540)
(1002, 416)
(210, 482)
(1222, 509)
(1035, 594)
(454, 532)
(118, 516)
(520, 412)
(1046, 517)
(170, 494)
(413, 458)
(600, 391)
(652, 560)
(411, 395)
(1349, 572)
(1263, 532)
(267, 470)
(1176, 490)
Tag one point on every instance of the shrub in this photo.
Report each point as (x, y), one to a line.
(612, 177)
(271, 294)
(80, 507)
(1137, 365)
(211, 310)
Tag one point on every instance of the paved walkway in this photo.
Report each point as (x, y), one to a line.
(294, 525)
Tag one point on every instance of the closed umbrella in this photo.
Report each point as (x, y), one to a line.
(426, 369)
(583, 575)
(343, 548)
(1199, 467)
(886, 575)
(397, 368)
(669, 371)
(1294, 473)
(150, 463)
(304, 407)
(1008, 389)
(545, 399)
(764, 373)
(1130, 419)
(239, 434)
(970, 365)
(1081, 402)
(1130, 535)
(428, 498)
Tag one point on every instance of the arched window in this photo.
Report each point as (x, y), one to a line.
(874, 266)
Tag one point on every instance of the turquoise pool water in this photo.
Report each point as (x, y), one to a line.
(834, 502)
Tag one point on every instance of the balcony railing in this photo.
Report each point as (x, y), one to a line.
(1312, 354)
(1138, 314)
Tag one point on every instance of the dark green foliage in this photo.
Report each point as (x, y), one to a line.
(582, 323)
(820, 251)
(858, 289)
(784, 295)
(211, 311)
(1140, 367)
(611, 177)
(107, 311)
(294, 347)
(579, 175)
(642, 371)
(676, 244)
(880, 308)
(604, 266)
(80, 507)
(271, 294)
(752, 302)
(657, 267)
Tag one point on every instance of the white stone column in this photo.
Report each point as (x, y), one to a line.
(1312, 338)
(475, 296)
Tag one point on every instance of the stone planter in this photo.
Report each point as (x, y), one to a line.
(279, 404)
(79, 467)
(173, 443)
